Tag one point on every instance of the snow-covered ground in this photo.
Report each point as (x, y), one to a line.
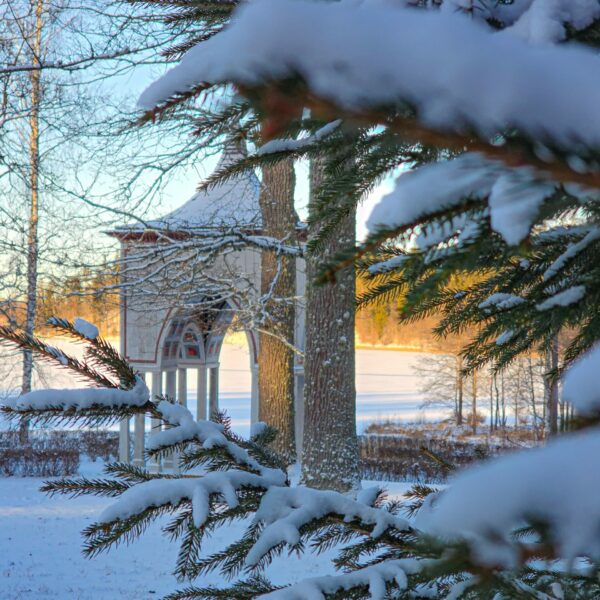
(40, 541)
(40, 550)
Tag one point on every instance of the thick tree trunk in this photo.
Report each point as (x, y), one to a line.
(330, 451)
(32, 235)
(551, 390)
(278, 286)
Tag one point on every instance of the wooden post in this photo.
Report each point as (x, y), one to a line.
(124, 441)
(171, 387)
(139, 427)
(182, 386)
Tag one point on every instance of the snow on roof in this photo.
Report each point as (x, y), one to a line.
(231, 203)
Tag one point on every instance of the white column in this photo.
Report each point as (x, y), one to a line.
(254, 399)
(182, 399)
(201, 387)
(299, 408)
(171, 392)
(139, 426)
(182, 386)
(213, 391)
(124, 441)
(155, 424)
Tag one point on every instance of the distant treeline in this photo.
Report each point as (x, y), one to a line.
(88, 295)
(379, 324)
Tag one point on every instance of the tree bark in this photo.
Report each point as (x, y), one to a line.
(551, 390)
(330, 449)
(278, 287)
(460, 385)
(32, 234)
(474, 405)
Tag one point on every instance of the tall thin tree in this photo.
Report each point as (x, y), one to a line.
(551, 388)
(34, 166)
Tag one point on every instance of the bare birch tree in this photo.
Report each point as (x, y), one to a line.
(34, 163)
(58, 128)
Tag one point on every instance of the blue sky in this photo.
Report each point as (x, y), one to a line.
(180, 188)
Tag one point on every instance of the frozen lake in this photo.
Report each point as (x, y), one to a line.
(387, 385)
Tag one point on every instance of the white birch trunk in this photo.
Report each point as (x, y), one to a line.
(32, 235)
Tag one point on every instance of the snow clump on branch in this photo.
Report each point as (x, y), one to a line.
(364, 56)
(581, 385)
(514, 196)
(487, 503)
(82, 399)
(85, 328)
(285, 510)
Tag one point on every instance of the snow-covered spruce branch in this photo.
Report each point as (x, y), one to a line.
(99, 353)
(443, 109)
(474, 190)
(48, 352)
(513, 196)
(470, 529)
(289, 146)
(374, 578)
(125, 394)
(454, 262)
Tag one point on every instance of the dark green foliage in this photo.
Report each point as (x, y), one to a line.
(450, 563)
(249, 588)
(453, 280)
(450, 278)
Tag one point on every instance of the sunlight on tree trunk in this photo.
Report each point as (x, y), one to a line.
(330, 453)
(32, 236)
(278, 287)
(551, 390)
(474, 408)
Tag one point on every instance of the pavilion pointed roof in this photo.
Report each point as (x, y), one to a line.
(233, 203)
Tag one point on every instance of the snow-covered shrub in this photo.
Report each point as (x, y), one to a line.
(26, 461)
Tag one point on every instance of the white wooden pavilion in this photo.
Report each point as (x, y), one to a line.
(169, 343)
